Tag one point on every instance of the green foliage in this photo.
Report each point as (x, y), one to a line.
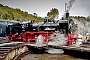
(53, 13)
(81, 18)
(16, 14)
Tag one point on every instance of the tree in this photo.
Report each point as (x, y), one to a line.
(17, 14)
(35, 14)
(1, 5)
(53, 13)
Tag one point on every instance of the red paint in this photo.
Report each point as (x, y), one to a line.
(28, 36)
(71, 37)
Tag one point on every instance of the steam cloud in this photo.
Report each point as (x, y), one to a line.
(70, 3)
(83, 4)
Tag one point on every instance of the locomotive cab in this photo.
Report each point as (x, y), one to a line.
(13, 29)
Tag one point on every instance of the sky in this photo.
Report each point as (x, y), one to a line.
(41, 7)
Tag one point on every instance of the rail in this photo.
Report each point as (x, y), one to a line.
(8, 51)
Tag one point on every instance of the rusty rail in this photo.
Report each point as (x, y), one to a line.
(19, 57)
(11, 50)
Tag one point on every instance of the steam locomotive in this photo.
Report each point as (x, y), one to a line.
(28, 31)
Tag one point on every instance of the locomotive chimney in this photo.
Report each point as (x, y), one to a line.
(67, 15)
(66, 11)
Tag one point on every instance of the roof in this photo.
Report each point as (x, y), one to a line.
(63, 21)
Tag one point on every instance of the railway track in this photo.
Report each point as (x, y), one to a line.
(10, 50)
(3, 40)
(19, 57)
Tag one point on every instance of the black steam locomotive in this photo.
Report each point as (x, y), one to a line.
(16, 30)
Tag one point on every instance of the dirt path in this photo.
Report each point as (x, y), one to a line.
(50, 57)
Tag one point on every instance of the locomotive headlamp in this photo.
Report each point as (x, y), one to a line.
(17, 33)
(22, 26)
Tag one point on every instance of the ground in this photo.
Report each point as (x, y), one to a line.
(49, 57)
